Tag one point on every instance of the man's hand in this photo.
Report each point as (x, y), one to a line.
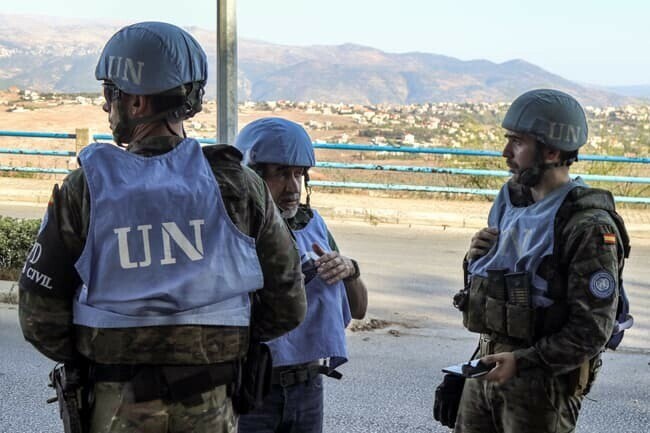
(332, 267)
(482, 241)
(506, 367)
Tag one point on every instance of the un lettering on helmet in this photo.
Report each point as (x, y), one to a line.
(564, 132)
(125, 69)
(151, 58)
(554, 117)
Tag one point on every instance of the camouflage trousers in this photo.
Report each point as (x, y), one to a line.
(114, 411)
(533, 402)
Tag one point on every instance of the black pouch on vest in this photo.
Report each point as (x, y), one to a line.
(520, 315)
(474, 313)
(254, 378)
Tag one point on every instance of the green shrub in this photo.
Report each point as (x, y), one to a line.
(16, 238)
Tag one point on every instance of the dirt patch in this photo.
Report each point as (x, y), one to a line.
(9, 274)
(372, 324)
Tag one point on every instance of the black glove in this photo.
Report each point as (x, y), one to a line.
(447, 399)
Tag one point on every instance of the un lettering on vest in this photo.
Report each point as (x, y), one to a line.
(169, 231)
(564, 132)
(124, 68)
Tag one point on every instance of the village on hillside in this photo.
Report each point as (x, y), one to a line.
(623, 131)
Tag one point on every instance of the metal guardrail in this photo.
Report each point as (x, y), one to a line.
(468, 171)
(34, 134)
(442, 189)
(465, 152)
(356, 166)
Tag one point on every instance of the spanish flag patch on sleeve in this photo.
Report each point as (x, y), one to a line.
(609, 238)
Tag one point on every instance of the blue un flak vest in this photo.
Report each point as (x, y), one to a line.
(322, 333)
(161, 248)
(526, 236)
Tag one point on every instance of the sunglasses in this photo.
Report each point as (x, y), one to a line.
(111, 92)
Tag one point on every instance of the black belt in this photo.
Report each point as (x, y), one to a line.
(296, 374)
(168, 382)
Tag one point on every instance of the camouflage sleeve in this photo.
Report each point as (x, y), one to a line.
(281, 305)
(592, 260)
(47, 285)
(332, 242)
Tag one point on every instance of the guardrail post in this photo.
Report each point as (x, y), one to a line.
(83, 138)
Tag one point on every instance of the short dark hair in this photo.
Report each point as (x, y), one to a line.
(568, 157)
(163, 102)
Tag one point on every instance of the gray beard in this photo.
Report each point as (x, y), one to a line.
(288, 214)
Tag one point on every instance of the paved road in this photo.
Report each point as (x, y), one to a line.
(388, 384)
(21, 210)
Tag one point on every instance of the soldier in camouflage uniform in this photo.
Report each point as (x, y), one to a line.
(147, 259)
(543, 279)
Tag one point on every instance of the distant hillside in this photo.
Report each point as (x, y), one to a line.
(53, 54)
(633, 91)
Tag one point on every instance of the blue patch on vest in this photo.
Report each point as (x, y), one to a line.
(602, 284)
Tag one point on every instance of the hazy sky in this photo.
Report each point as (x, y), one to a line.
(599, 41)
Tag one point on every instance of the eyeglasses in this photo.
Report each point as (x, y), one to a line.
(111, 92)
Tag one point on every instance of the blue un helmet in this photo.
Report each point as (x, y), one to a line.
(154, 58)
(553, 117)
(272, 140)
(556, 119)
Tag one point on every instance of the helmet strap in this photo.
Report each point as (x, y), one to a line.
(123, 130)
(193, 93)
(531, 176)
(307, 188)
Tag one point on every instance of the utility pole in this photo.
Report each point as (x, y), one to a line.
(226, 71)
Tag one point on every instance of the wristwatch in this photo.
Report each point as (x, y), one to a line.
(356, 273)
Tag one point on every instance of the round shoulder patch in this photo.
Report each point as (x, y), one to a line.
(602, 284)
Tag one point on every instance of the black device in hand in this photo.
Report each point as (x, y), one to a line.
(309, 269)
(472, 369)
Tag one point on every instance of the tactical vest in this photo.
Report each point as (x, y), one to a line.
(322, 333)
(161, 248)
(505, 287)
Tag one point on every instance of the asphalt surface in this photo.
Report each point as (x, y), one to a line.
(388, 384)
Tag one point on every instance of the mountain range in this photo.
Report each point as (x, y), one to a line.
(59, 55)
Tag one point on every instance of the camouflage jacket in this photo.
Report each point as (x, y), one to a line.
(588, 244)
(45, 310)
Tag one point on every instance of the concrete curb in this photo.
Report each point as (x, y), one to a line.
(392, 216)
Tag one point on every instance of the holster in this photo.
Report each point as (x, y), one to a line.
(254, 375)
(582, 378)
(72, 393)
